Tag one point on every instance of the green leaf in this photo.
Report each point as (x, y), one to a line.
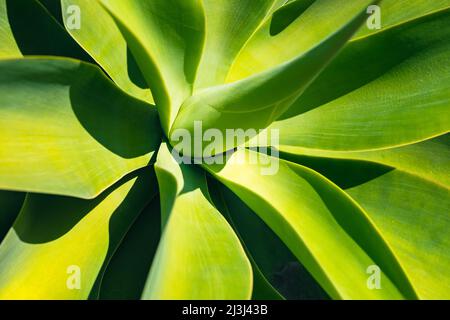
(428, 159)
(408, 202)
(319, 223)
(10, 204)
(286, 14)
(101, 38)
(229, 24)
(46, 250)
(66, 129)
(412, 215)
(308, 24)
(128, 269)
(360, 63)
(370, 96)
(199, 256)
(256, 101)
(8, 45)
(395, 12)
(27, 28)
(166, 38)
(262, 288)
(279, 273)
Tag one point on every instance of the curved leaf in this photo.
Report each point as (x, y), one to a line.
(66, 129)
(199, 256)
(310, 23)
(395, 12)
(41, 257)
(279, 273)
(8, 45)
(360, 61)
(256, 101)
(101, 38)
(412, 215)
(229, 24)
(166, 38)
(10, 204)
(428, 159)
(27, 28)
(365, 102)
(285, 14)
(262, 288)
(320, 224)
(125, 275)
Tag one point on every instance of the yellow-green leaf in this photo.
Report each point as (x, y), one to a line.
(66, 129)
(199, 256)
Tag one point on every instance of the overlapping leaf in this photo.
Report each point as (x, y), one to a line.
(319, 223)
(10, 204)
(428, 159)
(395, 12)
(66, 129)
(229, 24)
(99, 35)
(33, 31)
(128, 269)
(166, 38)
(412, 215)
(256, 101)
(276, 271)
(41, 257)
(59, 135)
(407, 200)
(199, 256)
(371, 97)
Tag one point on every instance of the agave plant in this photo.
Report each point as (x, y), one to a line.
(95, 204)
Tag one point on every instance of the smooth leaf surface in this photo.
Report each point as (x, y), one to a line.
(262, 288)
(371, 97)
(66, 129)
(229, 24)
(320, 224)
(365, 59)
(256, 101)
(41, 256)
(8, 46)
(199, 256)
(279, 271)
(166, 38)
(27, 28)
(428, 159)
(395, 12)
(101, 38)
(310, 23)
(412, 214)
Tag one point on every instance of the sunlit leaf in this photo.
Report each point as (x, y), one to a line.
(59, 136)
(27, 28)
(229, 24)
(199, 256)
(166, 38)
(428, 159)
(367, 99)
(41, 257)
(99, 35)
(276, 270)
(319, 223)
(412, 215)
(256, 101)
